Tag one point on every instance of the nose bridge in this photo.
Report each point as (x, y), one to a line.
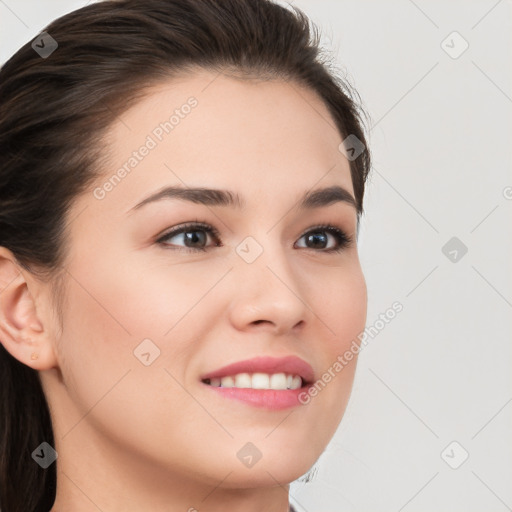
(268, 288)
(264, 256)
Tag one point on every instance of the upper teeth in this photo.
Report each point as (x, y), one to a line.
(258, 381)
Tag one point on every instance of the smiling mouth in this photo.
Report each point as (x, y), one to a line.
(275, 381)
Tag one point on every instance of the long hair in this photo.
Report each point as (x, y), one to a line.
(55, 108)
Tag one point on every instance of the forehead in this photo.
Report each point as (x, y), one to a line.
(212, 130)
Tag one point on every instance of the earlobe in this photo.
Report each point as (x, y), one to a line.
(21, 330)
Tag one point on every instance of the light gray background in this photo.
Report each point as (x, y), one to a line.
(441, 142)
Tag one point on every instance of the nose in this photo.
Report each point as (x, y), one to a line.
(268, 294)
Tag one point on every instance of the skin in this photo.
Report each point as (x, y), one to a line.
(132, 437)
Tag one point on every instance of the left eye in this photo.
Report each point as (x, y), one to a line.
(320, 236)
(195, 237)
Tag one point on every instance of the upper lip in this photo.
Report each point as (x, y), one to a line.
(290, 364)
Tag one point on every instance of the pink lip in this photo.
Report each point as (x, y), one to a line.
(265, 398)
(291, 364)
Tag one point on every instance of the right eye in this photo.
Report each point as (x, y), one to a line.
(194, 236)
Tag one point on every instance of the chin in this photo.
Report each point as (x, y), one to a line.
(270, 475)
(282, 467)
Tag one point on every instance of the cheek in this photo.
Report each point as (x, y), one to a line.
(106, 317)
(342, 309)
(96, 341)
(156, 296)
(113, 308)
(341, 306)
(136, 298)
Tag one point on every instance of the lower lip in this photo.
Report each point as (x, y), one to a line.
(265, 398)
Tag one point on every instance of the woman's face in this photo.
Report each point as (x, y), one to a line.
(147, 317)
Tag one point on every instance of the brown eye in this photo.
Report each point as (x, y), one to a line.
(193, 237)
(319, 237)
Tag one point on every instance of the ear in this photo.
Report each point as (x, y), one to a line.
(22, 324)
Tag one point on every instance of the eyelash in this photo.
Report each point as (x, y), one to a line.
(343, 239)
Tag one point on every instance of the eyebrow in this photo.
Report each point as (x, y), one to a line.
(217, 197)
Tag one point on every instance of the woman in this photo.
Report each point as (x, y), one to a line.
(180, 194)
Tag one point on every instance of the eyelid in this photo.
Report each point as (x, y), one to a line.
(195, 225)
(342, 237)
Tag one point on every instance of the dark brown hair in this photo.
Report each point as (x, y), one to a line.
(54, 113)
